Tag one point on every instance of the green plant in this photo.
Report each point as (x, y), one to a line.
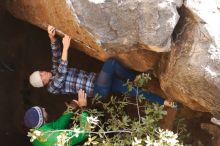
(116, 125)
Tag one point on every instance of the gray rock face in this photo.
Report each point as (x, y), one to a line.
(107, 28)
(193, 71)
(125, 24)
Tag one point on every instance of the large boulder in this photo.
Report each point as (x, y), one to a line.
(135, 31)
(122, 25)
(191, 72)
(104, 28)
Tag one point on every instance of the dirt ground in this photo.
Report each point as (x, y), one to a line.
(25, 48)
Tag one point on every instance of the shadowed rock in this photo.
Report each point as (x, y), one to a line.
(214, 131)
(191, 72)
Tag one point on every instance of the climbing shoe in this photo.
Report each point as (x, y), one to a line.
(174, 105)
(215, 121)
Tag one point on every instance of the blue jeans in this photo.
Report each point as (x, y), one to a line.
(113, 77)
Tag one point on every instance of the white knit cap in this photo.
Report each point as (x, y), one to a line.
(35, 79)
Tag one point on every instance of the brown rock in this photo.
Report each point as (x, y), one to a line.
(214, 131)
(129, 29)
(107, 29)
(191, 72)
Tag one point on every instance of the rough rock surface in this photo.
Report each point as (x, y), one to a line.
(135, 31)
(125, 24)
(192, 71)
(106, 28)
(214, 131)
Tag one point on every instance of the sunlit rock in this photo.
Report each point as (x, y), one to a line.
(104, 28)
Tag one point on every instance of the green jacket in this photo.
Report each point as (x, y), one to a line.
(61, 124)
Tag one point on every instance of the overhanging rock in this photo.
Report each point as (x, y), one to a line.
(103, 28)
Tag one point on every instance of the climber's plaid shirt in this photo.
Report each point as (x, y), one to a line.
(68, 80)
